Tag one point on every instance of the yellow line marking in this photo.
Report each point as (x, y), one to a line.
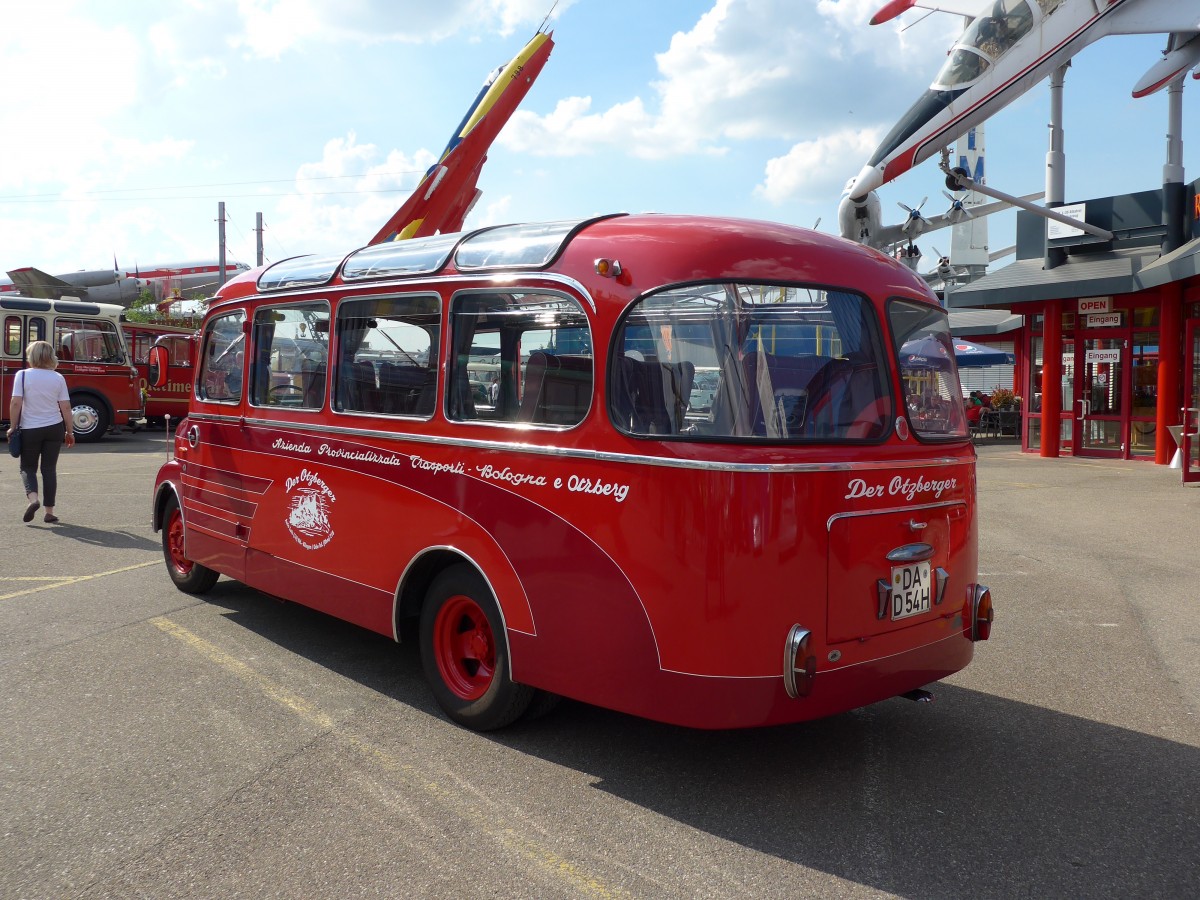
(70, 579)
(465, 807)
(35, 577)
(234, 666)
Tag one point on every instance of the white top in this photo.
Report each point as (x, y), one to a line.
(40, 390)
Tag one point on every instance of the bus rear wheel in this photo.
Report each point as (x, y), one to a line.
(190, 577)
(464, 654)
(89, 418)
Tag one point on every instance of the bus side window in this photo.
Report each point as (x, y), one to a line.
(291, 349)
(12, 336)
(520, 357)
(387, 352)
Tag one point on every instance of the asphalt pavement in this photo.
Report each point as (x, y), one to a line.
(156, 744)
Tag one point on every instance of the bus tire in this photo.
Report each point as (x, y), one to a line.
(190, 577)
(464, 654)
(89, 418)
(543, 704)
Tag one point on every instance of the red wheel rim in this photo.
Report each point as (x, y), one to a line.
(179, 562)
(464, 647)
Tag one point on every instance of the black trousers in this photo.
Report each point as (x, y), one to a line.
(42, 444)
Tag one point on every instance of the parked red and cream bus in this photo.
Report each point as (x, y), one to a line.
(172, 398)
(721, 476)
(91, 356)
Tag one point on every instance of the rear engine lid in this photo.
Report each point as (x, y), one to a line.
(890, 570)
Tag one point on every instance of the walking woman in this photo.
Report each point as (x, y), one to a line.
(41, 408)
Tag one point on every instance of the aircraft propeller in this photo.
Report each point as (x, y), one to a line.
(944, 270)
(957, 212)
(916, 222)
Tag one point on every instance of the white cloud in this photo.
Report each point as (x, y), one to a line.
(342, 199)
(749, 69)
(270, 28)
(813, 170)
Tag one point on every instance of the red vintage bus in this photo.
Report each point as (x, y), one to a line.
(172, 398)
(92, 356)
(707, 471)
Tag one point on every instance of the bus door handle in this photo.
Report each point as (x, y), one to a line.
(1085, 409)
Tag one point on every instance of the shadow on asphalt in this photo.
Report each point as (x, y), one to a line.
(100, 537)
(974, 795)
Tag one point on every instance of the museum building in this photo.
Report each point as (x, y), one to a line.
(1107, 346)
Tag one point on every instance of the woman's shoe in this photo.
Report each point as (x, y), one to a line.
(50, 519)
(30, 510)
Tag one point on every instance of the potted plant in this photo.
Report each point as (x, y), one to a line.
(1003, 398)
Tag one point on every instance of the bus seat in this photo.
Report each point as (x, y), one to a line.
(312, 380)
(792, 383)
(865, 411)
(366, 394)
(535, 371)
(401, 387)
(652, 397)
(562, 392)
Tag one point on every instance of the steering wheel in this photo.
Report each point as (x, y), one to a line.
(279, 390)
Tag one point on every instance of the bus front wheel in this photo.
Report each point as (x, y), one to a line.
(89, 418)
(190, 577)
(464, 654)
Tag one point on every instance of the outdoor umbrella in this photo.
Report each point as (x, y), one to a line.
(928, 350)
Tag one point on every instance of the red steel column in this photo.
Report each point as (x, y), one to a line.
(1170, 370)
(1051, 376)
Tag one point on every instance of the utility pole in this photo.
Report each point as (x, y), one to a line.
(221, 240)
(258, 230)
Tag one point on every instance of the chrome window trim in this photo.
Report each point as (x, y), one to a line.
(334, 368)
(253, 348)
(496, 423)
(516, 446)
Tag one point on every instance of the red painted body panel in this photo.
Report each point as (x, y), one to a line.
(171, 400)
(656, 577)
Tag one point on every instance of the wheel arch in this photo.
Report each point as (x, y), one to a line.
(419, 575)
(165, 492)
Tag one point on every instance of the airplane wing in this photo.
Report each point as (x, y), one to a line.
(887, 236)
(448, 191)
(970, 8)
(36, 283)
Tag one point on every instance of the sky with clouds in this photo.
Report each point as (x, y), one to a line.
(126, 124)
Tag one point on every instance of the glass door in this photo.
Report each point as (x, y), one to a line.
(1100, 410)
(1190, 444)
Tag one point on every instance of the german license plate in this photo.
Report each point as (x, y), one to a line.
(912, 590)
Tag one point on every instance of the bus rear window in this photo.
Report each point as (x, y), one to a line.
(755, 362)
